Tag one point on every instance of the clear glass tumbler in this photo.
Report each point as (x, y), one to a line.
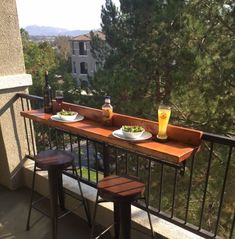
(59, 97)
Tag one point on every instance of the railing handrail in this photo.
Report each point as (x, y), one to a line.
(215, 138)
(29, 97)
(8, 104)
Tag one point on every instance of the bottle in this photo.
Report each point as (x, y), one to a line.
(47, 95)
(107, 111)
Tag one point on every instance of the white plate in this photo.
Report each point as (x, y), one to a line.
(118, 134)
(57, 118)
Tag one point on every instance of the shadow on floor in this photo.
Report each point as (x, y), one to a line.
(13, 216)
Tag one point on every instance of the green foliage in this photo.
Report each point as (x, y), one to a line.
(175, 51)
(43, 56)
(85, 173)
(208, 28)
(62, 44)
(181, 52)
(99, 49)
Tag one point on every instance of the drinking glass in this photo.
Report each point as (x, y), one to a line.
(59, 97)
(164, 113)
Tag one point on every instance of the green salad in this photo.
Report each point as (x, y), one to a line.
(132, 129)
(67, 113)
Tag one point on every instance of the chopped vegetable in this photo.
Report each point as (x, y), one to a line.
(67, 113)
(132, 129)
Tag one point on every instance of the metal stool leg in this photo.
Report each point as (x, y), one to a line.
(94, 216)
(61, 191)
(31, 198)
(53, 189)
(83, 199)
(116, 216)
(125, 220)
(149, 217)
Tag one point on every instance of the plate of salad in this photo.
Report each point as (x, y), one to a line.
(132, 133)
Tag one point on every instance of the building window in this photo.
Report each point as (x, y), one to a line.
(73, 48)
(74, 67)
(83, 68)
(82, 48)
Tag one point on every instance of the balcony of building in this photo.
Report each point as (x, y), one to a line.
(193, 199)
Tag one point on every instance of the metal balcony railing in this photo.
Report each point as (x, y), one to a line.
(198, 195)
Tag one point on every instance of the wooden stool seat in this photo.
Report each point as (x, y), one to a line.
(54, 158)
(116, 188)
(122, 191)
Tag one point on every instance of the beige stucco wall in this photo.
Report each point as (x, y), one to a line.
(13, 79)
(13, 144)
(11, 54)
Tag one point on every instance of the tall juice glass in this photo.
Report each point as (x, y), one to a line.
(164, 113)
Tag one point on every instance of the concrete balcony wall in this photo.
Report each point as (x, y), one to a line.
(140, 224)
(12, 80)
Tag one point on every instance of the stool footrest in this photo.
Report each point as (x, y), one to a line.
(103, 232)
(40, 210)
(48, 215)
(102, 201)
(39, 200)
(69, 211)
(65, 214)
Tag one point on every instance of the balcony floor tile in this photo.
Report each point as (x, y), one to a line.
(13, 216)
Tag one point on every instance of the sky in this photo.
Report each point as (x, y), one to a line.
(68, 14)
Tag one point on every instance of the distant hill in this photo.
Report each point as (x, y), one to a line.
(35, 30)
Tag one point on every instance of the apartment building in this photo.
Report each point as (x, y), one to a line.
(83, 63)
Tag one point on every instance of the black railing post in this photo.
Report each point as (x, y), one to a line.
(189, 189)
(79, 156)
(160, 188)
(50, 138)
(223, 189)
(106, 159)
(148, 182)
(25, 127)
(126, 163)
(96, 164)
(206, 184)
(88, 160)
(174, 192)
(116, 162)
(137, 166)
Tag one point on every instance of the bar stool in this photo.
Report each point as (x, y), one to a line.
(54, 161)
(122, 191)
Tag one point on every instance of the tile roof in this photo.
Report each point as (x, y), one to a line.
(87, 37)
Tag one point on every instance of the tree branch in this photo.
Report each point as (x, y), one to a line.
(226, 24)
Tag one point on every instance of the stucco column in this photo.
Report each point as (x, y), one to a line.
(12, 80)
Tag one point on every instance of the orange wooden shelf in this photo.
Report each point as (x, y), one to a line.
(181, 145)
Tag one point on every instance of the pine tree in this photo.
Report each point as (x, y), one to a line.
(176, 51)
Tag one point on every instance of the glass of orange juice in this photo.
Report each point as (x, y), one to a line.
(164, 113)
